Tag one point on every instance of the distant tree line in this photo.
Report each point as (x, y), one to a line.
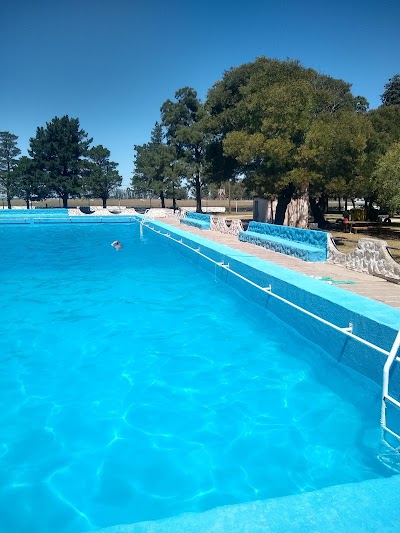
(61, 164)
(280, 130)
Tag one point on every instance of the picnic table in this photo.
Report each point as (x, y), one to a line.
(354, 226)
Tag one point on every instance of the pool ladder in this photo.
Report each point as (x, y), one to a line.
(388, 399)
(146, 218)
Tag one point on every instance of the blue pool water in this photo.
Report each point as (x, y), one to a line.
(134, 386)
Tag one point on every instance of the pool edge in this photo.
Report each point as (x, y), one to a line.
(366, 506)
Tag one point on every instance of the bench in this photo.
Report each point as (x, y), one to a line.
(356, 229)
(197, 220)
(308, 245)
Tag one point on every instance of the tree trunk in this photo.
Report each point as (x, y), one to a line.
(317, 213)
(340, 205)
(283, 201)
(9, 203)
(27, 203)
(65, 201)
(372, 213)
(198, 194)
(162, 198)
(174, 206)
(104, 203)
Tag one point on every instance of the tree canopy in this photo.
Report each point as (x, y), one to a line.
(58, 150)
(185, 123)
(281, 128)
(388, 178)
(154, 166)
(264, 111)
(101, 174)
(30, 182)
(391, 95)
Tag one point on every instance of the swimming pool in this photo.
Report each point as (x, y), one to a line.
(135, 386)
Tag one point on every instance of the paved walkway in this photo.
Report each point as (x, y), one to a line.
(365, 284)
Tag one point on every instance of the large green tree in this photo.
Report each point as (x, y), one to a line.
(334, 150)
(9, 152)
(102, 175)
(385, 121)
(391, 95)
(186, 130)
(386, 124)
(388, 178)
(264, 110)
(58, 150)
(225, 113)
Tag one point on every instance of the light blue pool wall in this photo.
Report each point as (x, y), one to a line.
(373, 321)
(64, 219)
(25, 213)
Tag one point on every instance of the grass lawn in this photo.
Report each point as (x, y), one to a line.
(346, 242)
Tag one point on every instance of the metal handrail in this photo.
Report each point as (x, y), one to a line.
(386, 397)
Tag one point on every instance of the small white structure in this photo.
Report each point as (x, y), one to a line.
(263, 210)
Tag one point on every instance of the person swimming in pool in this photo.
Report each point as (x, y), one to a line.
(117, 245)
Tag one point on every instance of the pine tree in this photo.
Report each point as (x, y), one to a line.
(58, 150)
(8, 160)
(391, 96)
(102, 176)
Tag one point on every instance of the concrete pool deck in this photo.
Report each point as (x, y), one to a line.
(363, 284)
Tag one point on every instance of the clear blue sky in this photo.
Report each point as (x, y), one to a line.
(112, 63)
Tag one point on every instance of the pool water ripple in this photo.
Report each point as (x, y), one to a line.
(133, 386)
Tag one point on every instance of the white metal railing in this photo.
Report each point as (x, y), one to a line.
(147, 217)
(386, 397)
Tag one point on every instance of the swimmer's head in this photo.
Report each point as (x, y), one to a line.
(117, 245)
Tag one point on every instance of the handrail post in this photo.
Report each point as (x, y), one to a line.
(389, 362)
(385, 386)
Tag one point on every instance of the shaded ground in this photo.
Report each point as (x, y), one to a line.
(346, 242)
